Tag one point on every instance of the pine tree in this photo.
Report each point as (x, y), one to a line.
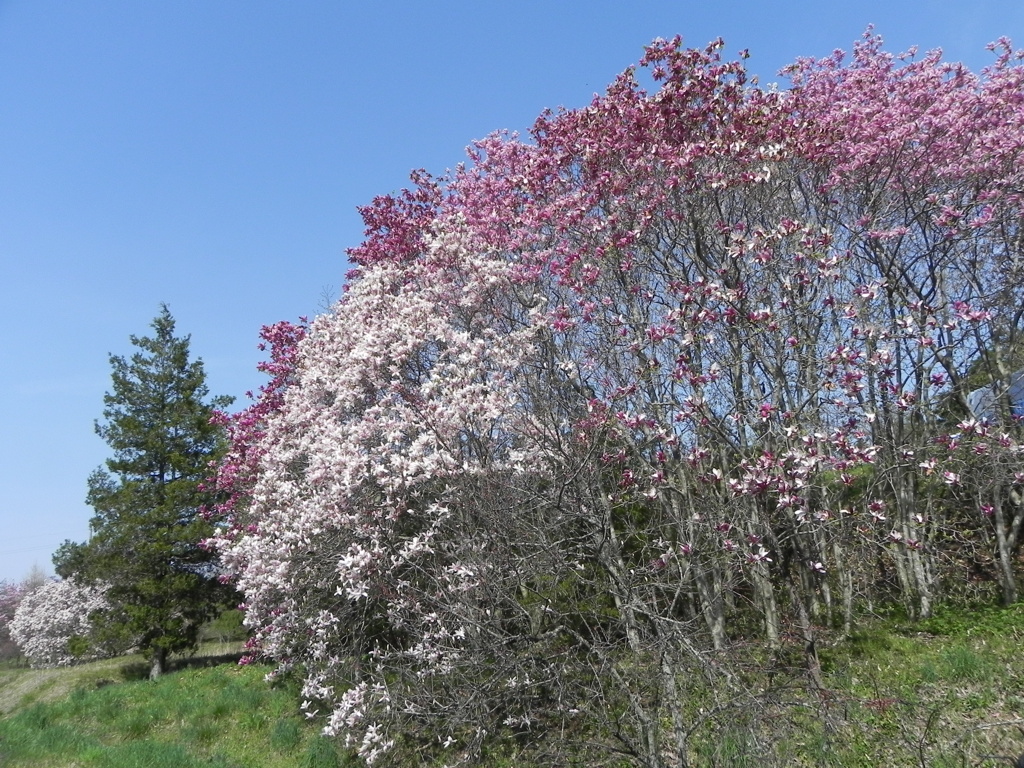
(148, 526)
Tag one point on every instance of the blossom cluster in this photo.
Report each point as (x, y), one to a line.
(53, 624)
(679, 346)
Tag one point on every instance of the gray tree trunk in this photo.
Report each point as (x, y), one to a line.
(158, 664)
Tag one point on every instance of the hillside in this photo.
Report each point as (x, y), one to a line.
(208, 712)
(942, 693)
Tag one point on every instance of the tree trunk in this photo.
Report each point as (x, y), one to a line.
(769, 608)
(158, 664)
(1007, 577)
(807, 633)
(668, 672)
(845, 573)
(711, 606)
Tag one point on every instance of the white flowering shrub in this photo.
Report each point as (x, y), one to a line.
(54, 624)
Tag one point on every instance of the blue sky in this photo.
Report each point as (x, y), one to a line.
(211, 155)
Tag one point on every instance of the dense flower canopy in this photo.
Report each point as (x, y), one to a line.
(681, 350)
(53, 624)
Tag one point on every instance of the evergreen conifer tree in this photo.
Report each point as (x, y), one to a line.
(148, 526)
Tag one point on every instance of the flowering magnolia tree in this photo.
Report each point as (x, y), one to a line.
(11, 595)
(54, 624)
(690, 365)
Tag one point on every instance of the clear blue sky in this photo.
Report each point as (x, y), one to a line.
(211, 155)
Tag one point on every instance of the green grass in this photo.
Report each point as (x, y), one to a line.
(223, 716)
(940, 693)
(945, 693)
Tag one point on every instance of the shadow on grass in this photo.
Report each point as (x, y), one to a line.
(139, 670)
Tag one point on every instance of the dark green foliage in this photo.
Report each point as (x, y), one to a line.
(226, 628)
(148, 525)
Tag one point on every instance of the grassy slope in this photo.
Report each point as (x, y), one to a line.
(99, 716)
(20, 687)
(945, 693)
